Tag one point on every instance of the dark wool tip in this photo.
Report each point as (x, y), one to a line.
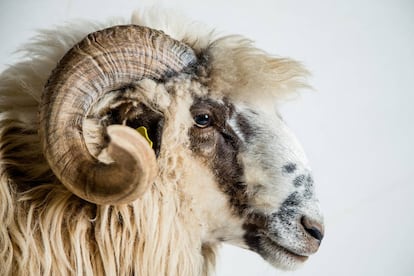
(289, 168)
(291, 201)
(309, 181)
(299, 180)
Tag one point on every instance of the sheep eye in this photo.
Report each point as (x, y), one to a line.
(202, 120)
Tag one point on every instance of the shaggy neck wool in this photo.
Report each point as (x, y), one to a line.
(49, 231)
(55, 233)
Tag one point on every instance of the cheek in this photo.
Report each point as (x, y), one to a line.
(211, 205)
(267, 187)
(273, 162)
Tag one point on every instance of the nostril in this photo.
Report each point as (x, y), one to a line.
(313, 228)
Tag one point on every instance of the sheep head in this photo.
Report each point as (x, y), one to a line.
(220, 99)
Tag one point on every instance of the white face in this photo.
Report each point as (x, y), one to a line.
(261, 171)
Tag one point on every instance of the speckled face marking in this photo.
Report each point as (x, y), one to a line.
(289, 168)
(299, 180)
(258, 164)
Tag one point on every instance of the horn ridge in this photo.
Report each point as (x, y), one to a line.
(104, 61)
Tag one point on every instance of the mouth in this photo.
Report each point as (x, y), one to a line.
(268, 242)
(275, 254)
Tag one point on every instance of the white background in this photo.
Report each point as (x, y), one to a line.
(357, 128)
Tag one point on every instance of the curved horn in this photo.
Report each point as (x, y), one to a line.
(105, 61)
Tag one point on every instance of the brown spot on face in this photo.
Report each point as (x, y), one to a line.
(245, 127)
(252, 238)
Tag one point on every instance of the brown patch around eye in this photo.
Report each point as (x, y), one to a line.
(202, 141)
(219, 146)
(203, 138)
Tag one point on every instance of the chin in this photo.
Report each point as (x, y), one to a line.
(280, 257)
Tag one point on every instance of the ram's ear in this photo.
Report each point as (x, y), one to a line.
(146, 121)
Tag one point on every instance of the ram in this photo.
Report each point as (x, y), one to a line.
(82, 192)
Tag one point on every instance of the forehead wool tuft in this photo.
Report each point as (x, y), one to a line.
(243, 72)
(236, 69)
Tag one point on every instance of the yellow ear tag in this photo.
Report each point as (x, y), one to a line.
(143, 131)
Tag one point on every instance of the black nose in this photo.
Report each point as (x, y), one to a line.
(313, 228)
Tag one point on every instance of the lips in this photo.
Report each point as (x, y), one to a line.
(265, 242)
(268, 242)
